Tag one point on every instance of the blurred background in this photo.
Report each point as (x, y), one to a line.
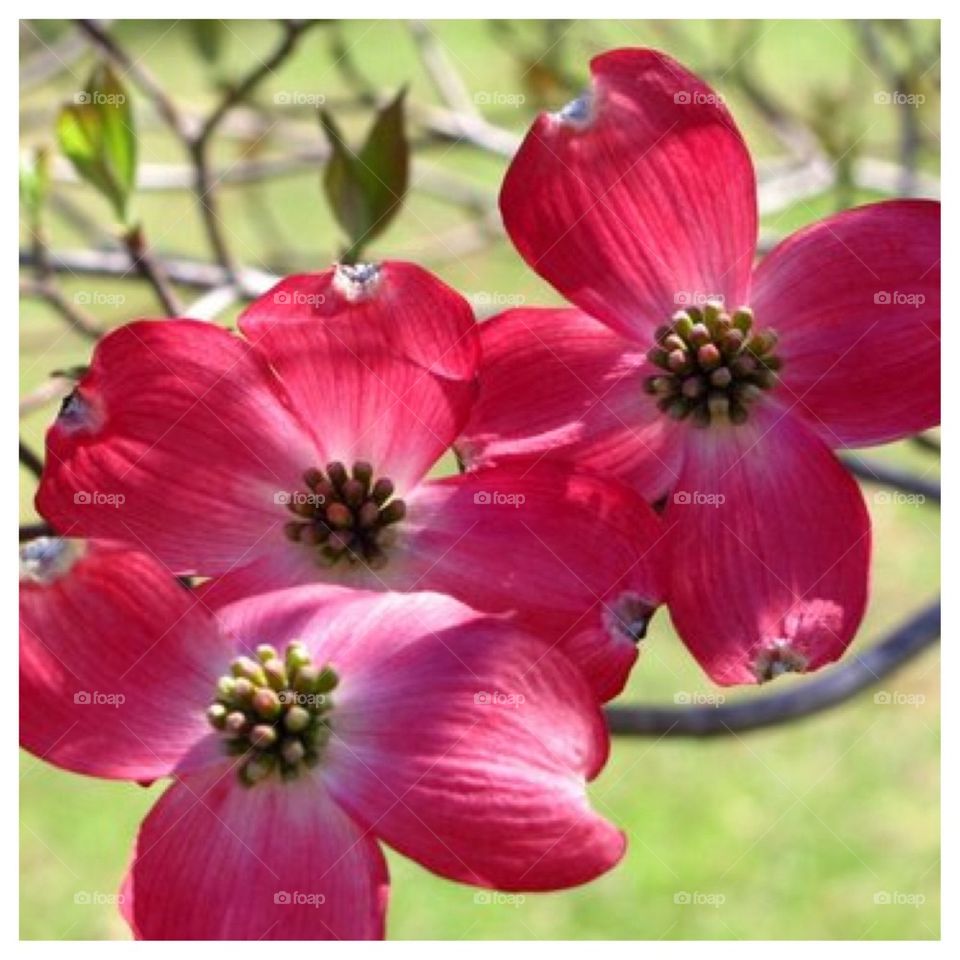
(824, 828)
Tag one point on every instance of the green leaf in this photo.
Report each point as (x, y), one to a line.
(96, 133)
(366, 188)
(207, 36)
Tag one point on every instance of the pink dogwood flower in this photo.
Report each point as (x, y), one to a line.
(696, 375)
(299, 734)
(299, 452)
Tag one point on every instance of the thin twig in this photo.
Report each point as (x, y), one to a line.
(30, 531)
(204, 183)
(879, 473)
(197, 274)
(926, 443)
(152, 270)
(78, 319)
(56, 388)
(448, 83)
(30, 460)
(140, 76)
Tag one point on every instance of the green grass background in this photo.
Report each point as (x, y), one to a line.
(800, 830)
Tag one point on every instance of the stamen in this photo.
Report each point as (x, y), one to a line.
(715, 365)
(345, 516)
(273, 712)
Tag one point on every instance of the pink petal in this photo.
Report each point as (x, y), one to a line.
(638, 200)
(117, 662)
(278, 861)
(554, 547)
(560, 382)
(604, 651)
(179, 438)
(770, 544)
(462, 742)
(856, 301)
(386, 374)
(396, 308)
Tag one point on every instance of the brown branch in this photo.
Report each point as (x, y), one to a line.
(926, 443)
(447, 82)
(30, 531)
(827, 690)
(56, 388)
(198, 145)
(140, 76)
(30, 460)
(48, 291)
(152, 270)
(873, 472)
(197, 274)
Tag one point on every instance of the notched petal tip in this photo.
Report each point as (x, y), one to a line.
(779, 658)
(46, 559)
(357, 281)
(627, 617)
(79, 414)
(579, 113)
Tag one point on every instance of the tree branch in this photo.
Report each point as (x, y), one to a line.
(30, 531)
(30, 459)
(873, 472)
(827, 690)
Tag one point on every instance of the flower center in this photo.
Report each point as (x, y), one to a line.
(273, 712)
(715, 365)
(345, 516)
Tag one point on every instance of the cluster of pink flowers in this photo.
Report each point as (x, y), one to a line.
(369, 653)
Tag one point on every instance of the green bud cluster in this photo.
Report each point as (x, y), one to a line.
(273, 712)
(715, 365)
(345, 515)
